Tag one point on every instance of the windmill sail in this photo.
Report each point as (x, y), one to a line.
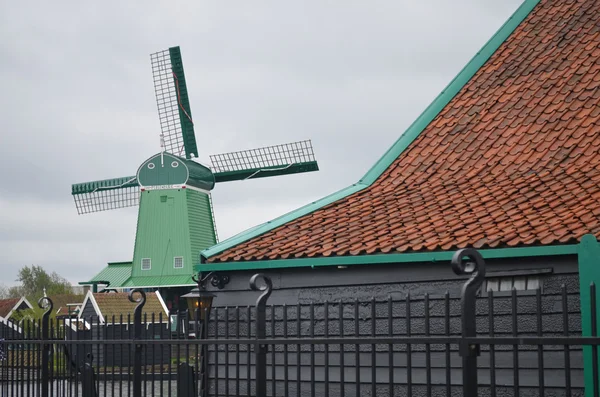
(289, 158)
(107, 194)
(177, 126)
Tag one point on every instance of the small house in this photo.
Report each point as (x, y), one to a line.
(66, 306)
(114, 308)
(110, 315)
(8, 307)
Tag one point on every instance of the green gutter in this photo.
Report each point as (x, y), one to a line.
(412, 257)
(402, 143)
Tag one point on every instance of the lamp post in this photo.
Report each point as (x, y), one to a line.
(199, 301)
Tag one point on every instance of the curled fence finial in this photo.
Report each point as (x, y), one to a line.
(468, 261)
(261, 331)
(141, 300)
(267, 288)
(137, 334)
(48, 305)
(45, 333)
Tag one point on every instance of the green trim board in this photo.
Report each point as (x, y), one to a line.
(402, 143)
(411, 257)
(589, 272)
(160, 281)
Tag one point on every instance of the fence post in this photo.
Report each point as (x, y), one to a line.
(588, 252)
(469, 261)
(137, 335)
(260, 350)
(45, 346)
(186, 381)
(88, 377)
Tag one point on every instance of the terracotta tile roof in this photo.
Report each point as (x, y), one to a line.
(115, 304)
(6, 305)
(512, 160)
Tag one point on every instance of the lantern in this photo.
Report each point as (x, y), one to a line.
(198, 301)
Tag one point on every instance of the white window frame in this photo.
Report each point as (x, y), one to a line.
(524, 281)
(149, 263)
(175, 261)
(528, 283)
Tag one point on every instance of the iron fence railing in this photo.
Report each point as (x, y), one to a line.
(443, 345)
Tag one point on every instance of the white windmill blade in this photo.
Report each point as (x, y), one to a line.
(172, 100)
(289, 158)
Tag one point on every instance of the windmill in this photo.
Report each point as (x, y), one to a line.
(176, 218)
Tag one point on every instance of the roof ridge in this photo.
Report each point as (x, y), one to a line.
(409, 135)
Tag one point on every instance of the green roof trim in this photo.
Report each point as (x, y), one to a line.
(160, 281)
(491, 253)
(105, 184)
(402, 143)
(116, 273)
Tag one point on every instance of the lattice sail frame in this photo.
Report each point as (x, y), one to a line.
(106, 195)
(172, 101)
(265, 158)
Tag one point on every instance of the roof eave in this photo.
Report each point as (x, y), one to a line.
(401, 144)
(409, 257)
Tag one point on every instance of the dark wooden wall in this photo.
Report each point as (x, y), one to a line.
(117, 354)
(304, 287)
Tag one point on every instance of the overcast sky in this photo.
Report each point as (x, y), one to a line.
(77, 103)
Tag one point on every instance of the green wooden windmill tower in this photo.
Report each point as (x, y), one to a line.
(175, 219)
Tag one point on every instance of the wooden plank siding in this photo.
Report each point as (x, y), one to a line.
(298, 289)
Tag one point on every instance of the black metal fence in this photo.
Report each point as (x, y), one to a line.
(469, 345)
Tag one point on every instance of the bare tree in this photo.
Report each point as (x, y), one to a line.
(3, 291)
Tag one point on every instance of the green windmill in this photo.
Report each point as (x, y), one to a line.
(176, 218)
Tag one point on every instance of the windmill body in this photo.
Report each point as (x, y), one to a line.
(176, 218)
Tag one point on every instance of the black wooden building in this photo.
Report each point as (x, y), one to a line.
(506, 160)
(9, 325)
(109, 316)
